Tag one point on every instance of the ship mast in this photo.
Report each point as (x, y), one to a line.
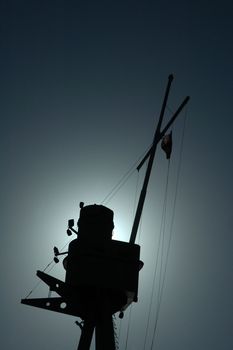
(101, 273)
(151, 154)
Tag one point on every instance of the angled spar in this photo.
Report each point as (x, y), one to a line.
(151, 154)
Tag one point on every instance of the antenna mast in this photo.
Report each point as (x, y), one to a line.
(151, 154)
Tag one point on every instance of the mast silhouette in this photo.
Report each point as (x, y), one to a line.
(101, 273)
(151, 154)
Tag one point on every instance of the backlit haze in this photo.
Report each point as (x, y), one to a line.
(82, 83)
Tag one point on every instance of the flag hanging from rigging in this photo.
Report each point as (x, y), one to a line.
(166, 144)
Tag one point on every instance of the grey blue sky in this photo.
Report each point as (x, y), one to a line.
(82, 84)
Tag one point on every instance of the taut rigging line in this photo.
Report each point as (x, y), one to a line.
(170, 232)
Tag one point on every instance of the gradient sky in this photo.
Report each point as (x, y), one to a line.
(82, 84)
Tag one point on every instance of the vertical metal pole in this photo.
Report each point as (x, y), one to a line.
(86, 335)
(104, 333)
(149, 167)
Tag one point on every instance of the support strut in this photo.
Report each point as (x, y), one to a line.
(86, 335)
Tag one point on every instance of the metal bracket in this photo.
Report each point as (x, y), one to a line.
(55, 284)
(66, 304)
(53, 304)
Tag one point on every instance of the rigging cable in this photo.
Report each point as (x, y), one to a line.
(46, 267)
(111, 194)
(161, 238)
(130, 311)
(123, 179)
(171, 230)
(139, 237)
(161, 253)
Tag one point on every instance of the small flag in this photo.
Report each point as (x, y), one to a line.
(166, 144)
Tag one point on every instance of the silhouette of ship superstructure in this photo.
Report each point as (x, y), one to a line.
(101, 273)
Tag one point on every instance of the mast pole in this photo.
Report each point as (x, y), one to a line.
(149, 167)
(157, 137)
(86, 335)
